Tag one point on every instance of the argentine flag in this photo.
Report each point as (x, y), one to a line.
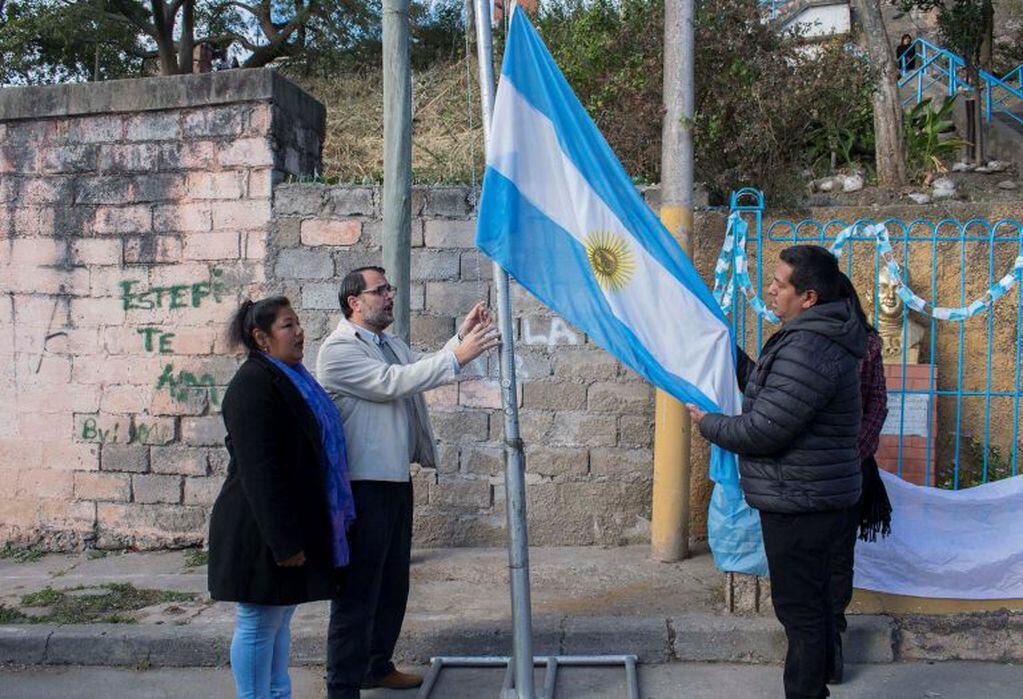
(560, 215)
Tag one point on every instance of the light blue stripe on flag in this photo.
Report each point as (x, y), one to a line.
(560, 214)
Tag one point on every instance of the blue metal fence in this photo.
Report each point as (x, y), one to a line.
(974, 387)
(773, 8)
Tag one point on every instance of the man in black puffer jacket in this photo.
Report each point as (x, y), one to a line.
(797, 445)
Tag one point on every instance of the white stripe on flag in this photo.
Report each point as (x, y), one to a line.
(675, 326)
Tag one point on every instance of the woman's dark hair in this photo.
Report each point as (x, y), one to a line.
(849, 292)
(906, 36)
(352, 285)
(814, 267)
(251, 315)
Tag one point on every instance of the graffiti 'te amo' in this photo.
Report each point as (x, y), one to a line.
(181, 384)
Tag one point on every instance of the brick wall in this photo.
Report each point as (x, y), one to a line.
(586, 420)
(133, 214)
(902, 437)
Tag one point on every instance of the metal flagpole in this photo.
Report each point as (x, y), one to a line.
(514, 472)
(518, 678)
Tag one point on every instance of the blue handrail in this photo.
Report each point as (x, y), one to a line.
(936, 64)
(775, 7)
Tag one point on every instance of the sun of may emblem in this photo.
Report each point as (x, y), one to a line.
(610, 258)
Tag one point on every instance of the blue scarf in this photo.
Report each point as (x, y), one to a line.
(333, 457)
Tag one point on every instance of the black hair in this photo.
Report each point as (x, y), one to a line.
(814, 267)
(352, 285)
(849, 292)
(251, 315)
(905, 36)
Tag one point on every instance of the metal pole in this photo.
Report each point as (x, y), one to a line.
(514, 474)
(669, 530)
(397, 204)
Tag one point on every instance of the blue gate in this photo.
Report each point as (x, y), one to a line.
(955, 408)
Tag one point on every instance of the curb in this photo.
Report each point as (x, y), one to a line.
(684, 638)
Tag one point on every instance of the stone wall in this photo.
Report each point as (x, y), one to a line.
(133, 217)
(586, 420)
(133, 214)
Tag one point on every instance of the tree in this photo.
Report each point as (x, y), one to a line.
(966, 28)
(56, 40)
(889, 145)
(47, 42)
(172, 26)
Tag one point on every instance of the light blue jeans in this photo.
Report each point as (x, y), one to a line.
(259, 651)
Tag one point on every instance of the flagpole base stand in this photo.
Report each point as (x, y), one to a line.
(550, 662)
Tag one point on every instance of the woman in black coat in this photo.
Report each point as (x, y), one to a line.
(277, 532)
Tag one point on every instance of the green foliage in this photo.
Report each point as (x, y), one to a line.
(20, 554)
(195, 558)
(437, 32)
(971, 463)
(51, 41)
(42, 598)
(768, 107)
(963, 25)
(840, 132)
(9, 615)
(762, 101)
(108, 603)
(611, 53)
(928, 143)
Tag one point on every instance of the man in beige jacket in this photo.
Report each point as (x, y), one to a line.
(377, 383)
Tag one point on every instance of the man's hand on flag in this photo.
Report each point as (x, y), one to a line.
(696, 414)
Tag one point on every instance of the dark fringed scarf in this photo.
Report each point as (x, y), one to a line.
(875, 508)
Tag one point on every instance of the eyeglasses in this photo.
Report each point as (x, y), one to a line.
(382, 290)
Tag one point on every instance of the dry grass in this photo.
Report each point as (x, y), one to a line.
(444, 147)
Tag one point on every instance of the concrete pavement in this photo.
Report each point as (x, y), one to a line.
(586, 600)
(666, 681)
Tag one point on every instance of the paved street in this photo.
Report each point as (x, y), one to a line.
(667, 681)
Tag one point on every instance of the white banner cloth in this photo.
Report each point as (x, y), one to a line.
(960, 544)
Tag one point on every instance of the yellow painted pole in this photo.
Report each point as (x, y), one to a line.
(669, 528)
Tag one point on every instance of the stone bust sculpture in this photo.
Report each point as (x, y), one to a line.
(890, 323)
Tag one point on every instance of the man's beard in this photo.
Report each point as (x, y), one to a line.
(380, 319)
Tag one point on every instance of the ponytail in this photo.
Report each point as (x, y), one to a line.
(251, 315)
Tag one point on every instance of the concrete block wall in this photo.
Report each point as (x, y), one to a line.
(133, 215)
(587, 421)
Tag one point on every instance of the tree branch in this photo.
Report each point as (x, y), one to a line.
(254, 11)
(128, 17)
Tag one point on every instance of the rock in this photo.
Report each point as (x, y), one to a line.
(852, 183)
(919, 197)
(1007, 184)
(997, 166)
(826, 184)
(821, 200)
(943, 188)
(963, 167)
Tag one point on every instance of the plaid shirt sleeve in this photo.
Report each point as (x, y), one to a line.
(875, 397)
